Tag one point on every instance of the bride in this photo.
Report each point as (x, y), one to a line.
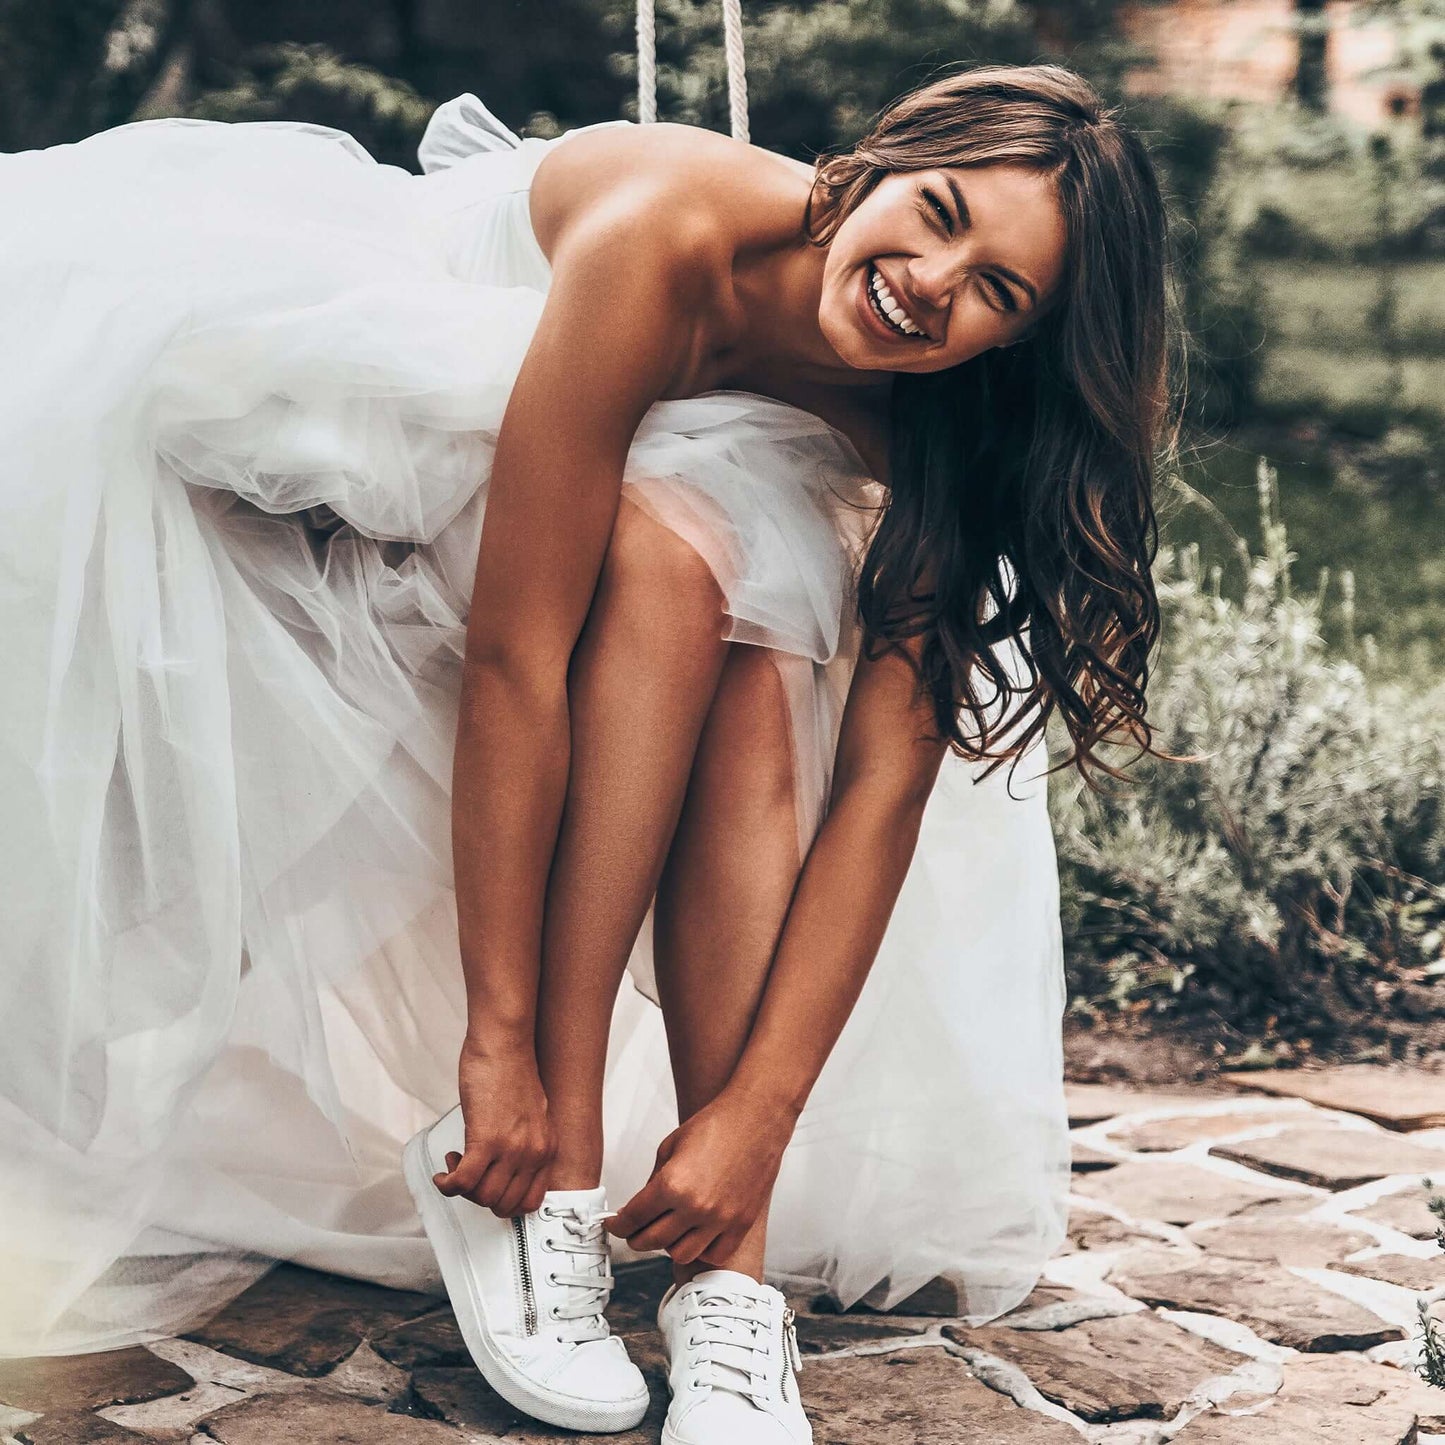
(429, 599)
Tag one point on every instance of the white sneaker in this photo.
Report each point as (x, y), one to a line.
(529, 1294)
(733, 1364)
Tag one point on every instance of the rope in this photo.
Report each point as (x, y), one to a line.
(732, 45)
(646, 61)
(737, 67)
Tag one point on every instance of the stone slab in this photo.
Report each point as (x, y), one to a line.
(822, 1334)
(462, 1398)
(318, 1417)
(1163, 1136)
(1174, 1192)
(917, 1396)
(306, 1322)
(637, 1290)
(1094, 1103)
(1334, 1158)
(430, 1340)
(1304, 1243)
(68, 1383)
(1329, 1400)
(77, 1429)
(1404, 1270)
(369, 1377)
(1404, 1099)
(1302, 1422)
(1056, 1307)
(940, 1298)
(1084, 1160)
(1102, 1231)
(1406, 1210)
(1277, 1305)
(1353, 1381)
(1130, 1367)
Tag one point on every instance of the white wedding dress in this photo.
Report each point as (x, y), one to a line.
(249, 396)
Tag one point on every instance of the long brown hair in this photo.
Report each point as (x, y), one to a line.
(1021, 494)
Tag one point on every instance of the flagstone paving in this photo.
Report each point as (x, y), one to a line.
(1241, 1265)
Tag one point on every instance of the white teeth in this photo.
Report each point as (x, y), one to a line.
(890, 308)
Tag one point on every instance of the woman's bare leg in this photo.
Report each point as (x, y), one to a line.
(640, 684)
(724, 894)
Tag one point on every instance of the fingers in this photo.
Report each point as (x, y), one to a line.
(535, 1192)
(661, 1233)
(491, 1183)
(461, 1176)
(690, 1247)
(640, 1210)
(509, 1205)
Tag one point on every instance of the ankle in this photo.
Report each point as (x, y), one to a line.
(685, 1273)
(577, 1177)
(577, 1165)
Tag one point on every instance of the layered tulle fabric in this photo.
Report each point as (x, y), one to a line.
(249, 398)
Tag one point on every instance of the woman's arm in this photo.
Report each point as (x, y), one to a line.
(618, 323)
(888, 758)
(715, 1172)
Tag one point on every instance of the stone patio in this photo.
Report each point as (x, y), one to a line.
(1243, 1265)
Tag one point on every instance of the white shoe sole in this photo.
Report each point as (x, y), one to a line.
(668, 1438)
(571, 1412)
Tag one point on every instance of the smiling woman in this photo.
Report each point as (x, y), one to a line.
(999, 206)
(959, 277)
(326, 848)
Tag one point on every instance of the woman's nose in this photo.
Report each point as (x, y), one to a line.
(933, 284)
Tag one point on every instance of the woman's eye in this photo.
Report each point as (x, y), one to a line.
(996, 290)
(940, 208)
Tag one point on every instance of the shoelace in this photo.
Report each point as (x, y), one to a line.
(591, 1283)
(730, 1343)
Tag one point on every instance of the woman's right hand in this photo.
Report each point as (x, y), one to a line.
(510, 1140)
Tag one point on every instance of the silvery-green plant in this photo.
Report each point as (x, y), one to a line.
(1297, 871)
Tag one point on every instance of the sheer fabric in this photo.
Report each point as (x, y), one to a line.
(249, 398)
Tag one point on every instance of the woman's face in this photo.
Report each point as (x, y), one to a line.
(972, 256)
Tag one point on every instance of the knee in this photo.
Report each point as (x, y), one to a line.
(662, 576)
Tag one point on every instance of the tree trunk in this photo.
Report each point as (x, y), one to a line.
(1311, 76)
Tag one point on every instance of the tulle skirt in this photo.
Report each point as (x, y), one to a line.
(249, 398)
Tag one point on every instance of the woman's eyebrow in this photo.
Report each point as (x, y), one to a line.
(965, 220)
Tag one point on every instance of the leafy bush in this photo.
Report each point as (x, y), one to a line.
(1276, 234)
(284, 82)
(1226, 311)
(1296, 872)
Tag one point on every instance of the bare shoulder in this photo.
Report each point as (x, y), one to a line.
(678, 185)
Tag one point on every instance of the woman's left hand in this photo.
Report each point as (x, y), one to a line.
(712, 1179)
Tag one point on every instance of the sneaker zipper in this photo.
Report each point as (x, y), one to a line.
(791, 1362)
(524, 1268)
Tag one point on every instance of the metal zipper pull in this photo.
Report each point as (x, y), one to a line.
(790, 1337)
(524, 1268)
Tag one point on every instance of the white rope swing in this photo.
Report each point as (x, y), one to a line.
(737, 65)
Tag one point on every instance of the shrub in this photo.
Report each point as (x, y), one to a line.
(1296, 872)
(286, 82)
(1275, 234)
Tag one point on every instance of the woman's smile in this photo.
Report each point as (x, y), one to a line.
(972, 257)
(895, 328)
